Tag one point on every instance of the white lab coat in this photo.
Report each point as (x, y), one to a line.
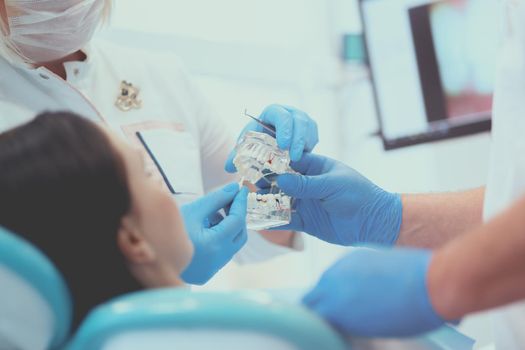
(180, 130)
(506, 182)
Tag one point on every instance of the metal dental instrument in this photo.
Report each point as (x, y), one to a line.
(266, 126)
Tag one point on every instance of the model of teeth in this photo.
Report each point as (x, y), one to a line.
(268, 210)
(257, 156)
(267, 203)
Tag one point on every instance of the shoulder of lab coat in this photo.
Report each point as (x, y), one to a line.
(171, 77)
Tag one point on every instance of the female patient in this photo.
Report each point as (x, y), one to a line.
(85, 199)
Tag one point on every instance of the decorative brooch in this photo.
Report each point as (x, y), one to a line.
(128, 97)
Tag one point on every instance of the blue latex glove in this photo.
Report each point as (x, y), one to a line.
(337, 204)
(374, 293)
(215, 239)
(295, 131)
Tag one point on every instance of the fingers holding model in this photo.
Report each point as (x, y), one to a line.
(215, 239)
(339, 205)
(295, 131)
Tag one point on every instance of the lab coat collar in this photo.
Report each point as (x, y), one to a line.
(76, 70)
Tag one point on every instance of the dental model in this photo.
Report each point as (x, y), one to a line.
(268, 210)
(258, 157)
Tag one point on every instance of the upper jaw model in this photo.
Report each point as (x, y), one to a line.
(258, 157)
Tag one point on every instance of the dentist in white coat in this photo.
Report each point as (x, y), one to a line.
(506, 182)
(48, 63)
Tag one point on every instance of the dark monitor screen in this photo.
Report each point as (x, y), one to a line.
(432, 66)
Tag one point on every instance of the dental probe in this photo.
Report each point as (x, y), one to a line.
(266, 126)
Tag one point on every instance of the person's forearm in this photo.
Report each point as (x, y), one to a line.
(282, 238)
(482, 269)
(431, 220)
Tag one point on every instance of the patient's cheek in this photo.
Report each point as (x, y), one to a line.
(164, 212)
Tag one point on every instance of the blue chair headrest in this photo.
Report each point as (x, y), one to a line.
(181, 309)
(29, 264)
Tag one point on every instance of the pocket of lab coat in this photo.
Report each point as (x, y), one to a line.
(176, 156)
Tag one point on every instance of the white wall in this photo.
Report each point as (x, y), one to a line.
(250, 53)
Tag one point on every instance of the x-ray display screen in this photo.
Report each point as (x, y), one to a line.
(433, 65)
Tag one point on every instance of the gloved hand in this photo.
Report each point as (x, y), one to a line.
(215, 239)
(374, 293)
(337, 204)
(295, 131)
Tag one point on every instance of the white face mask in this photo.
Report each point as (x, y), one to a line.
(47, 30)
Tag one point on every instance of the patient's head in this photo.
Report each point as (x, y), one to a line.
(85, 198)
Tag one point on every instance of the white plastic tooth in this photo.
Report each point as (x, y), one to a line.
(252, 201)
(256, 149)
(260, 155)
(264, 159)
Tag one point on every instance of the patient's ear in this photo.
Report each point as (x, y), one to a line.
(132, 243)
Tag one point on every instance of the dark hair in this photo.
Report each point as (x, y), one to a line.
(64, 188)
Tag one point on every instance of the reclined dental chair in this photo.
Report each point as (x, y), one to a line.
(181, 319)
(35, 314)
(35, 306)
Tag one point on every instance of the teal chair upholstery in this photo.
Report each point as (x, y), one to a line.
(185, 320)
(35, 305)
(36, 311)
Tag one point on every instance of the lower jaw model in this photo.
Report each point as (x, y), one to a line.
(258, 157)
(268, 210)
